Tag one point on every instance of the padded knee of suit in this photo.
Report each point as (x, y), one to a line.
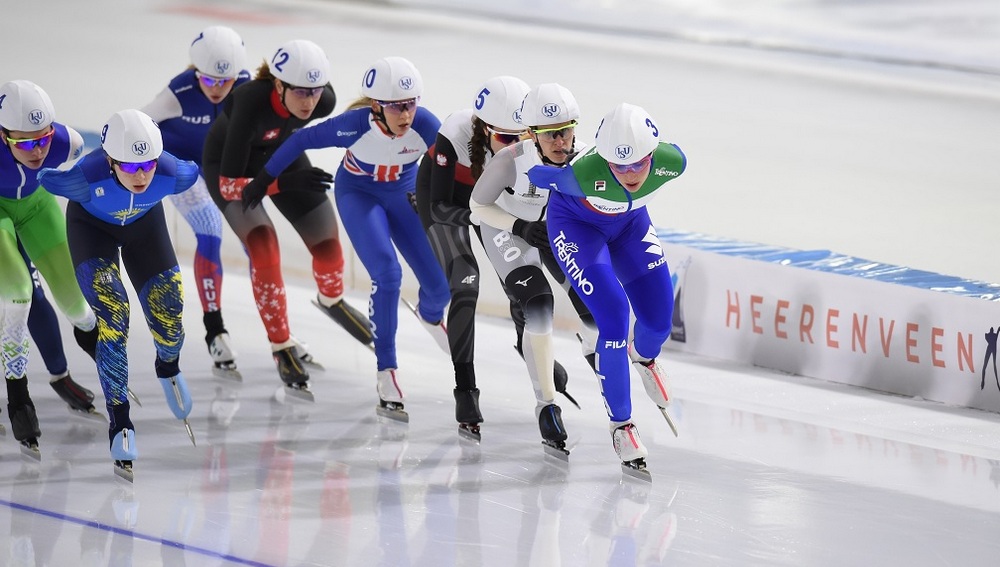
(526, 283)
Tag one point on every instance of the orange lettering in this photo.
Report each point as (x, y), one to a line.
(733, 307)
(911, 342)
(831, 328)
(779, 319)
(885, 339)
(755, 303)
(936, 334)
(965, 353)
(805, 327)
(858, 331)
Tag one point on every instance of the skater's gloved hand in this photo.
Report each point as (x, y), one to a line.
(254, 191)
(535, 233)
(308, 179)
(412, 197)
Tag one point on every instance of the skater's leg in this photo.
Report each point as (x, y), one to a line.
(43, 324)
(365, 221)
(411, 240)
(452, 247)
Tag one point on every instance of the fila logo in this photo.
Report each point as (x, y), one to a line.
(469, 279)
(653, 241)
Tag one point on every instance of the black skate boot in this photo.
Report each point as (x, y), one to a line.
(554, 436)
(24, 425)
(87, 340)
(293, 374)
(467, 413)
(559, 376)
(350, 319)
(79, 399)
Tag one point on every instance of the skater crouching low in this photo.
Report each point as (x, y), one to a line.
(115, 214)
(601, 234)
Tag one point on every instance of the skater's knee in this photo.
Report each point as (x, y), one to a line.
(262, 246)
(526, 283)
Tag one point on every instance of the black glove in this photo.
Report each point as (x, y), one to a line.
(535, 233)
(254, 192)
(308, 179)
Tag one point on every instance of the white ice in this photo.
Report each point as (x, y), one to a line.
(891, 162)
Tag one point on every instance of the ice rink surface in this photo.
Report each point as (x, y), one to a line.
(890, 161)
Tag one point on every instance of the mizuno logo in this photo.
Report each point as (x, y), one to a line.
(525, 281)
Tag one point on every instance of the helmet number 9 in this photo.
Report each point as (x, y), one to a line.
(481, 99)
(656, 131)
(279, 59)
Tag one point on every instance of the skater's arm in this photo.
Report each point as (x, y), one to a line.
(500, 174)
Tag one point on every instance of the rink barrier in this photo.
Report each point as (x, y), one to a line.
(838, 318)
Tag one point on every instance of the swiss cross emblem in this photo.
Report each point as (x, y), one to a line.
(272, 134)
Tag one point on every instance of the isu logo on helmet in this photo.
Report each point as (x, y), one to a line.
(313, 75)
(516, 115)
(623, 151)
(222, 68)
(36, 116)
(406, 83)
(140, 148)
(551, 110)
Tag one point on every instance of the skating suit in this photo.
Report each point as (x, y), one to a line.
(370, 189)
(502, 195)
(35, 218)
(444, 185)
(238, 145)
(106, 222)
(606, 245)
(184, 115)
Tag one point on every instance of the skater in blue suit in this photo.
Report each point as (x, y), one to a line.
(600, 232)
(115, 214)
(184, 111)
(385, 133)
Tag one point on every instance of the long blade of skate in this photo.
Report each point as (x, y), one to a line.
(555, 451)
(221, 370)
(394, 414)
(637, 473)
(31, 452)
(670, 422)
(359, 333)
(124, 471)
(190, 433)
(90, 416)
(134, 397)
(470, 432)
(294, 395)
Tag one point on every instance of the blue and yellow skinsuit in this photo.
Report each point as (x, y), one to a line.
(105, 222)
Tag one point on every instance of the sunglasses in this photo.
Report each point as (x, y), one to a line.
(550, 134)
(32, 143)
(303, 92)
(632, 167)
(133, 167)
(209, 81)
(399, 106)
(505, 138)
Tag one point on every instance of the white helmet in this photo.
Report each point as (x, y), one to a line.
(300, 63)
(499, 102)
(627, 134)
(549, 103)
(218, 51)
(25, 107)
(131, 136)
(392, 78)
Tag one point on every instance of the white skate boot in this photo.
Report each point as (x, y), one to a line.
(224, 358)
(654, 379)
(438, 331)
(630, 449)
(390, 395)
